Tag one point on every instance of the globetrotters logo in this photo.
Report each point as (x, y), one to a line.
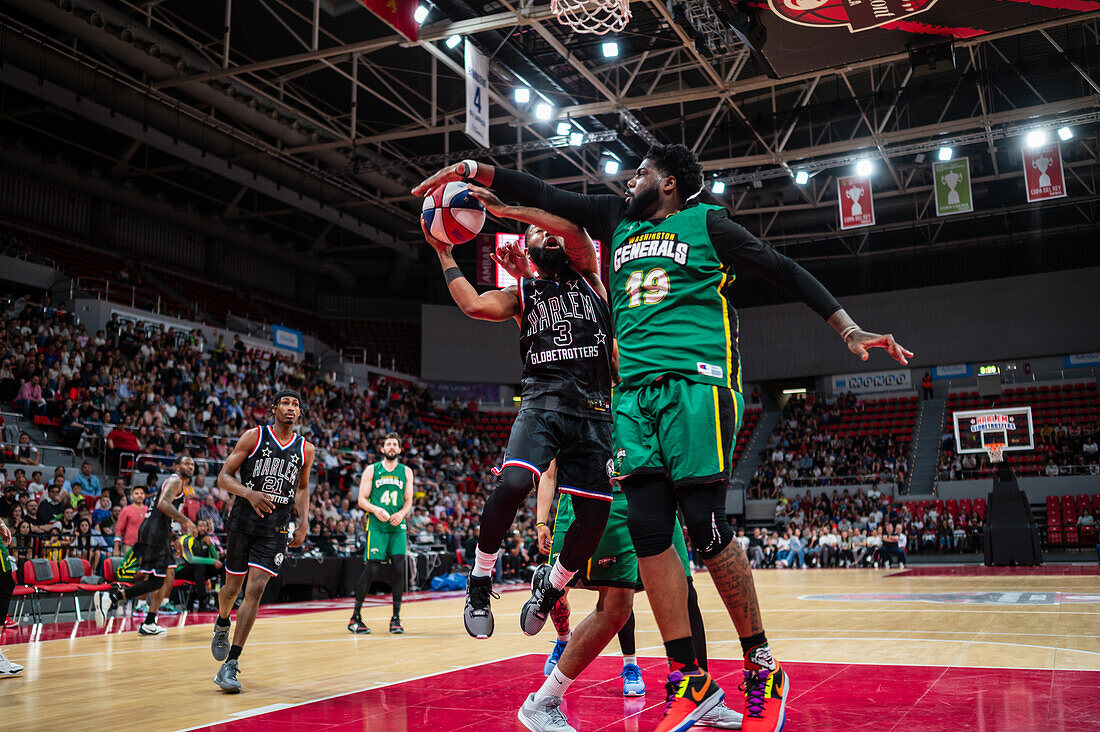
(858, 15)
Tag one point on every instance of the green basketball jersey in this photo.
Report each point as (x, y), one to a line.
(388, 491)
(668, 299)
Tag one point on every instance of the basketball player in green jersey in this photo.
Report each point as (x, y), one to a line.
(386, 494)
(678, 409)
(7, 587)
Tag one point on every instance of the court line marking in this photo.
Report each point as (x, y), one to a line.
(244, 714)
(923, 640)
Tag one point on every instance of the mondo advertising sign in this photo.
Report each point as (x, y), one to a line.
(872, 382)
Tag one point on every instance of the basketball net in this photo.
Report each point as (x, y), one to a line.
(592, 16)
(996, 452)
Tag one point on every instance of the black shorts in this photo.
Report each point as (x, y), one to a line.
(582, 447)
(155, 559)
(264, 552)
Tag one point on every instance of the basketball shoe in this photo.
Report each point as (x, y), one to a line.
(151, 629)
(357, 626)
(478, 615)
(219, 644)
(690, 696)
(395, 626)
(721, 717)
(554, 657)
(544, 596)
(227, 677)
(632, 680)
(7, 668)
(766, 692)
(544, 715)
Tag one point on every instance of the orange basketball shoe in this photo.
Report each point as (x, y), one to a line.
(766, 694)
(690, 696)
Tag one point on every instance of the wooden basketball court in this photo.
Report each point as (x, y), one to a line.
(930, 649)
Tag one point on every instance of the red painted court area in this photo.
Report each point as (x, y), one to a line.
(823, 697)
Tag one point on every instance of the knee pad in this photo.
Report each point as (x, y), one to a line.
(705, 518)
(516, 482)
(650, 515)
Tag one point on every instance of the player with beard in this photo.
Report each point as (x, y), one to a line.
(153, 551)
(678, 408)
(565, 406)
(274, 465)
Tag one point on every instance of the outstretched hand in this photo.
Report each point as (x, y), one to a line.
(513, 259)
(860, 341)
(489, 200)
(441, 177)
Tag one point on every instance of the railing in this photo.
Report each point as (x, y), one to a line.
(944, 475)
(40, 448)
(831, 480)
(116, 292)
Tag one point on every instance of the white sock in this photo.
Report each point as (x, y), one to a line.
(565, 638)
(556, 685)
(560, 576)
(484, 564)
(633, 660)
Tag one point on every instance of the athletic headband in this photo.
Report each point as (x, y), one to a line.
(286, 393)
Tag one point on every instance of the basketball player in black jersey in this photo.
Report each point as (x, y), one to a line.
(154, 551)
(565, 408)
(274, 466)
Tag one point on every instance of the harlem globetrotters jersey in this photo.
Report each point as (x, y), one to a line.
(156, 528)
(273, 469)
(388, 491)
(566, 343)
(668, 293)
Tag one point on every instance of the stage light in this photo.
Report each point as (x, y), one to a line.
(946, 154)
(522, 95)
(564, 127)
(610, 49)
(544, 111)
(454, 40)
(802, 177)
(801, 390)
(1065, 133)
(864, 168)
(420, 14)
(1036, 138)
(718, 187)
(611, 166)
(576, 139)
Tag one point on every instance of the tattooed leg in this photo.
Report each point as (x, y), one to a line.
(732, 577)
(559, 615)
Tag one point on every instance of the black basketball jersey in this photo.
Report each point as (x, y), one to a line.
(566, 342)
(156, 528)
(271, 468)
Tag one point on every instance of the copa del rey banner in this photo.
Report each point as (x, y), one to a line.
(397, 13)
(857, 207)
(1043, 173)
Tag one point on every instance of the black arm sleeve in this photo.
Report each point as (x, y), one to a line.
(598, 214)
(741, 250)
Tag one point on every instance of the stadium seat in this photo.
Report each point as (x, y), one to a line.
(20, 593)
(44, 576)
(191, 508)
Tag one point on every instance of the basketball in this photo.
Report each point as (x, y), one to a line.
(452, 215)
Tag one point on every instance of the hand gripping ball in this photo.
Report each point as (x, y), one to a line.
(451, 214)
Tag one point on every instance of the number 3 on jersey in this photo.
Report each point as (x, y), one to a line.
(649, 288)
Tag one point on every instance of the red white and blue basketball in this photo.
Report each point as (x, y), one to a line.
(452, 215)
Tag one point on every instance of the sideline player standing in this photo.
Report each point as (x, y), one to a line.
(565, 406)
(679, 406)
(386, 494)
(274, 466)
(7, 587)
(153, 554)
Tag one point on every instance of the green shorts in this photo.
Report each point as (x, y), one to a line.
(615, 563)
(677, 428)
(126, 571)
(383, 544)
(6, 565)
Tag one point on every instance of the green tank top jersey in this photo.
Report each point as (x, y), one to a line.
(388, 491)
(668, 300)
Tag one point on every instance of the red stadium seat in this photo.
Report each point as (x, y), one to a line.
(73, 570)
(44, 576)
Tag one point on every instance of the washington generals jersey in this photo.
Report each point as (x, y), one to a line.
(273, 469)
(565, 342)
(156, 528)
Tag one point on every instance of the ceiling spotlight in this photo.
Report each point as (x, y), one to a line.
(610, 49)
(420, 14)
(454, 40)
(576, 139)
(564, 127)
(946, 154)
(802, 177)
(544, 111)
(522, 95)
(864, 168)
(1036, 138)
(1065, 133)
(718, 187)
(611, 166)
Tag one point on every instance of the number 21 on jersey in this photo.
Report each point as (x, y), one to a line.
(650, 287)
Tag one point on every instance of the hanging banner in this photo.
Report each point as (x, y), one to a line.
(397, 13)
(857, 208)
(953, 192)
(477, 95)
(287, 338)
(1043, 173)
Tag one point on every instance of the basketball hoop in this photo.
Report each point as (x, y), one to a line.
(592, 16)
(995, 451)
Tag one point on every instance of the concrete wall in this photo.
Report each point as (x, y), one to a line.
(28, 274)
(458, 349)
(1037, 489)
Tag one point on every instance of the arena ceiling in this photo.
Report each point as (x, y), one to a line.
(307, 121)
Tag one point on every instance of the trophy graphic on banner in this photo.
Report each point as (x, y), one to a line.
(1041, 164)
(854, 194)
(952, 180)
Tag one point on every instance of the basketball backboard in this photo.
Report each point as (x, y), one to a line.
(501, 278)
(976, 429)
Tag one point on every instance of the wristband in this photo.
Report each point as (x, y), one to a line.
(542, 523)
(451, 274)
(471, 169)
(848, 331)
